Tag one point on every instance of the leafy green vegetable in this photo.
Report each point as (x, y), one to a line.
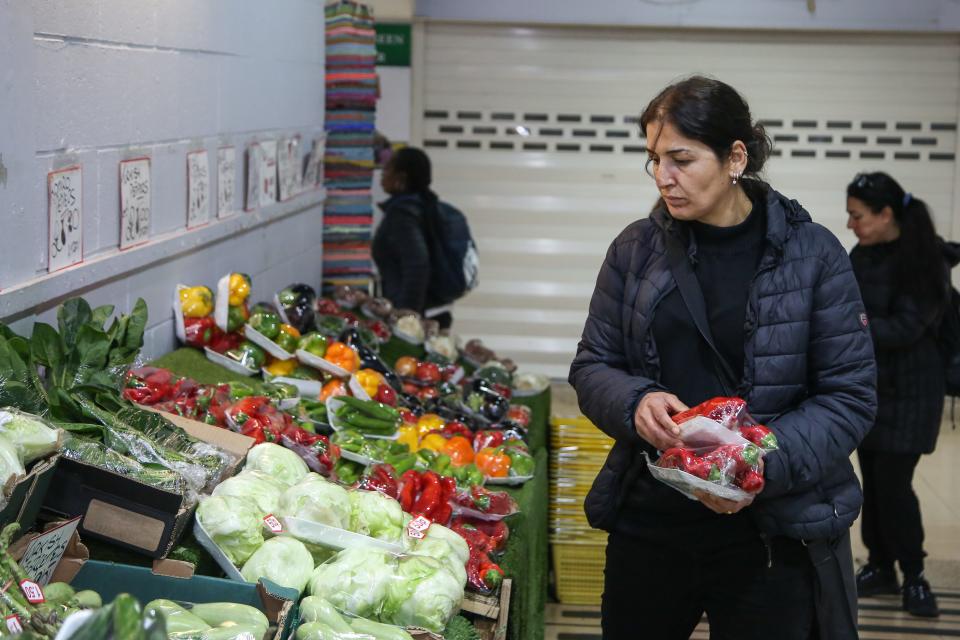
(376, 515)
(355, 581)
(278, 462)
(425, 595)
(32, 436)
(233, 524)
(256, 488)
(317, 500)
(283, 560)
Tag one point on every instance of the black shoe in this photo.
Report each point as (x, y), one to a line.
(918, 600)
(872, 581)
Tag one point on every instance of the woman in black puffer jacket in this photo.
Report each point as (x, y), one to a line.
(784, 311)
(901, 266)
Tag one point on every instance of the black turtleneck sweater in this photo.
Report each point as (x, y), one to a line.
(726, 261)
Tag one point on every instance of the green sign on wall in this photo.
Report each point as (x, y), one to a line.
(393, 44)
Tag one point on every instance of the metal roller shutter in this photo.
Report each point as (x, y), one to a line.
(533, 134)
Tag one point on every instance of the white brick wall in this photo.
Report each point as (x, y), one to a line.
(90, 79)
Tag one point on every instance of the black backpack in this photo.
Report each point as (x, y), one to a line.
(454, 262)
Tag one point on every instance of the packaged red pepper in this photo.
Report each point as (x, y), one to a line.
(380, 477)
(200, 332)
(483, 504)
(731, 413)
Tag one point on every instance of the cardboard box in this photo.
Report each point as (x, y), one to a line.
(110, 579)
(127, 512)
(27, 495)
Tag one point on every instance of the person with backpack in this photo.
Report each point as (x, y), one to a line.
(902, 268)
(727, 288)
(425, 255)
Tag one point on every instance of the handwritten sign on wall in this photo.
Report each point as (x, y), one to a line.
(268, 172)
(134, 202)
(253, 177)
(198, 188)
(226, 181)
(65, 207)
(311, 176)
(288, 167)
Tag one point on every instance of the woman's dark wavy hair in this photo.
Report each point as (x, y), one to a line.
(920, 264)
(711, 112)
(414, 164)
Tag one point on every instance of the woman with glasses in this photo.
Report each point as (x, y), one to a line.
(727, 288)
(900, 264)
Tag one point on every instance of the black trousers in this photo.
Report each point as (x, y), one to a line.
(891, 524)
(662, 593)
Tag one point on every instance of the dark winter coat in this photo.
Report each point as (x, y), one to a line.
(910, 374)
(402, 254)
(809, 372)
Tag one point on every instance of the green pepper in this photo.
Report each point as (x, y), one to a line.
(468, 475)
(236, 317)
(267, 323)
(402, 462)
(331, 325)
(347, 471)
(349, 440)
(442, 464)
(305, 373)
(521, 463)
(240, 390)
(286, 342)
(280, 391)
(250, 354)
(425, 459)
(314, 343)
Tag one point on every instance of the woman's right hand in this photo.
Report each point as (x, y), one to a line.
(653, 422)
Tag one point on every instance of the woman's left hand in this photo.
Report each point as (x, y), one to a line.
(722, 505)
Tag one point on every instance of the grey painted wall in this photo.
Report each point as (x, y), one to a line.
(88, 80)
(856, 15)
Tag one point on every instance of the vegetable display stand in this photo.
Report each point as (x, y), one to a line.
(492, 613)
(577, 451)
(540, 406)
(193, 364)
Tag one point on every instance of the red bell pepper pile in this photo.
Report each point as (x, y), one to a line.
(427, 494)
(160, 389)
(483, 574)
(736, 465)
(494, 504)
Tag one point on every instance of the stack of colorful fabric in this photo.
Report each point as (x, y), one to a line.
(352, 90)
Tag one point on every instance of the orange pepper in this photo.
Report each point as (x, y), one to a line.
(333, 388)
(343, 356)
(286, 328)
(493, 463)
(460, 451)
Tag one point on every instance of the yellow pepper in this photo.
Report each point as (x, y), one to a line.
(434, 442)
(239, 288)
(429, 422)
(281, 367)
(408, 435)
(370, 381)
(196, 302)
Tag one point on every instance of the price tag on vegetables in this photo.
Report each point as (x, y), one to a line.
(32, 591)
(13, 624)
(273, 524)
(418, 527)
(44, 552)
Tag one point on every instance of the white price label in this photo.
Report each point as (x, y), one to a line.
(32, 591)
(13, 624)
(418, 527)
(273, 524)
(44, 552)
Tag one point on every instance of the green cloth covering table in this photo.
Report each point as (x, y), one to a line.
(525, 560)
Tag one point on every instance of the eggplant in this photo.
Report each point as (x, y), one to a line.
(495, 409)
(297, 301)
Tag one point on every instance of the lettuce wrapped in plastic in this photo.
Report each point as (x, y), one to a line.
(233, 524)
(317, 500)
(278, 462)
(33, 436)
(424, 594)
(254, 487)
(376, 515)
(444, 545)
(10, 464)
(283, 560)
(356, 580)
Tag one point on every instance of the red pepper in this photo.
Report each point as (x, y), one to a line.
(199, 332)
(676, 458)
(409, 487)
(490, 573)
(497, 531)
(380, 477)
(475, 538)
(750, 481)
(487, 439)
(457, 428)
(430, 496)
(760, 436)
(726, 411)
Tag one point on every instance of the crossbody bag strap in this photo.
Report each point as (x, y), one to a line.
(692, 296)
